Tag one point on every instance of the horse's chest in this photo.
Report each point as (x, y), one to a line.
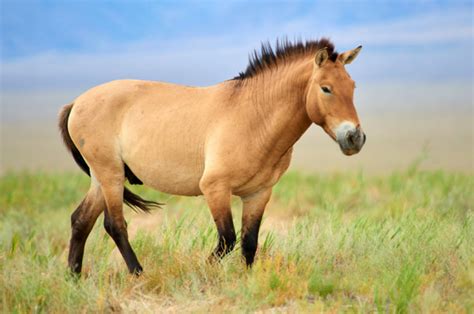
(265, 176)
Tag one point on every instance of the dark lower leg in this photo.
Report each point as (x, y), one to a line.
(253, 208)
(227, 238)
(82, 221)
(218, 198)
(118, 232)
(250, 241)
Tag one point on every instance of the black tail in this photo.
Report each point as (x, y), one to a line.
(129, 198)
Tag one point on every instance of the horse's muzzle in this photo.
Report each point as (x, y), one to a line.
(350, 138)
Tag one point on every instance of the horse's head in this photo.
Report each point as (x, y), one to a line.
(329, 100)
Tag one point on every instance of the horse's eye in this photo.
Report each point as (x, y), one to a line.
(326, 89)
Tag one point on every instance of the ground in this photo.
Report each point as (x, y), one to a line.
(333, 242)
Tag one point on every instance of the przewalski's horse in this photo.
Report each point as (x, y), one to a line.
(233, 138)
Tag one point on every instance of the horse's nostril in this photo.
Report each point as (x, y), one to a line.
(365, 137)
(351, 138)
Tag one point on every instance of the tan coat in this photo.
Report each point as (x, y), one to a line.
(235, 137)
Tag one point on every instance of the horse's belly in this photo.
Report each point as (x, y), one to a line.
(167, 166)
(177, 183)
(169, 177)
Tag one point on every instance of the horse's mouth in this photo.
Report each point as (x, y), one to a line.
(349, 152)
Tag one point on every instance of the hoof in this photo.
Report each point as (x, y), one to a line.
(137, 271)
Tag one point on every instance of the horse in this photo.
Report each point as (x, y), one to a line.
(232, 138)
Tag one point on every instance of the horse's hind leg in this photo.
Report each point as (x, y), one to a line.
(82, 221)
(114, 221)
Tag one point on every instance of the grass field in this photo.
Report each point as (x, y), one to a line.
(334, 242)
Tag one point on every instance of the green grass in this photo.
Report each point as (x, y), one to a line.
(341, 242)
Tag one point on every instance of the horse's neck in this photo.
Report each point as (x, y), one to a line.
(279, 111)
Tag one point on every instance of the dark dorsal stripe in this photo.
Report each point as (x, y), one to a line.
(268, 57)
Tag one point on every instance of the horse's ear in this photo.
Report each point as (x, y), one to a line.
(349, 56)
(321, 57)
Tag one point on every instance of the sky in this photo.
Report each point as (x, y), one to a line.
(415, 52)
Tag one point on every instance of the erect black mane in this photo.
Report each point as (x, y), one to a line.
(268, 57)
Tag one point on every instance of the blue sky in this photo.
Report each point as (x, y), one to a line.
(35, 27)
(74, 45)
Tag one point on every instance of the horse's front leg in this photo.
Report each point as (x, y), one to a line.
(218, 199)
(253, 208)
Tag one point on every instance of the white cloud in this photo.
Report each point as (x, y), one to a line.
(210, 59)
